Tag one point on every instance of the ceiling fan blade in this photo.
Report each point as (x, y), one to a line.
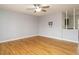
(44, 10)
(45, 6)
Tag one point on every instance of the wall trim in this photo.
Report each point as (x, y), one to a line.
(17, 38)
(59, 38)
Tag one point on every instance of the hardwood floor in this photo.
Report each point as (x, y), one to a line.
(38, 46)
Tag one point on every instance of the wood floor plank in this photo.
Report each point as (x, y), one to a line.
(38, 45)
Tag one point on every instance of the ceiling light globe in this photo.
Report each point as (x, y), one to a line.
(38, 9)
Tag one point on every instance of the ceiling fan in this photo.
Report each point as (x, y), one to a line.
(38, 8)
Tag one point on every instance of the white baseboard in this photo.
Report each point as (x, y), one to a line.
(59, 38)
(37, 35)
(17, 38)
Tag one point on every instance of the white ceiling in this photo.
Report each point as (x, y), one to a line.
(22, 8)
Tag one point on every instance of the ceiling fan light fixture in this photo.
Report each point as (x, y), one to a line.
(38, 9)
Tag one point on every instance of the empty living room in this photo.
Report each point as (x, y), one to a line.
(39, 29)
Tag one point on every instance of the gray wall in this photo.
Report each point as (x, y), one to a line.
(13, 25)
(57, 30)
